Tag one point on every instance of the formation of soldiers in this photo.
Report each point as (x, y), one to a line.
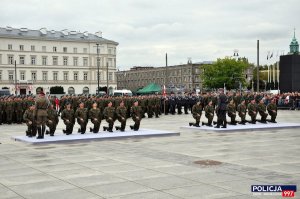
(81, 109)
(234, 104)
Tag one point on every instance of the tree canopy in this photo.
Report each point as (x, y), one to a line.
(229, 71)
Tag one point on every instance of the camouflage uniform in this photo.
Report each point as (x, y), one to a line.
(232, 113)
(82, 118)
(242, 110)
(136, 113)
(197, 112)
(261, 108)
(109, 115)
(30, 122)
(68, 117)
(9, 106)
(41, 106)
(272, 110)
(95, 117)
(252, 111)
(52, 121)
(121, 113)
(209, 114)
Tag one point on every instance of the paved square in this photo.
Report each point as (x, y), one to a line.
(152, 167)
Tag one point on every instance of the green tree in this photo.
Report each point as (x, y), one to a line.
(228, 71)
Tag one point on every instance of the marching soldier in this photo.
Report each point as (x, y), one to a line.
(272, 110)
(52, 120)
(81, 116)
(136, 113)
(95, 117)
(196, 111)
(209, 114)
(29, 119)
(121, 113)
(252, 111)
(67, 115)
(109, 115)
(261, 108)
(41, 106)
(242, 110)
(18, 110)
(232, 112)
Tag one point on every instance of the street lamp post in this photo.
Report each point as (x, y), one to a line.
(15, 77)
(98, 69)
(107, 78)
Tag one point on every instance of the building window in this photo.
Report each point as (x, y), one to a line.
(84, 50)
(85, 76)
(55, 76)
(10, 75)
(54, 49)
(65, 49)
(44, 61)
(109, 62)
(32, 60)
(44, 48)
(0, 75)
(66, 76)
(10, 59)
(22, 75)
(75, 76)
(0, 59)
(33, 76)
(98, 61)
(110, 76)
(22, 60)
(74, 50)
(45, 76)
(32, 48)
(85, 61)
(9, 47)
(65, 61)
(75, 61)
(55, 62)
(21, 47)
(109, 51)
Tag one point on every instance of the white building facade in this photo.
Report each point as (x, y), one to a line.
(46, 59)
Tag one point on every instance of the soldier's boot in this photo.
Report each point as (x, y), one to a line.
(27, 132)
(233, 122)
(156, 116)
(203, 123)
(43, 131)
(110, 127)
(218, 124)
(209, 123)
(215, 122)
(224, 125)
(47, 132)
(191, 124)
(136, 127)
(79, 130)
(91, 129)
(105, 128)
(253, 121)
(117, 128)
(64, 131)
(122, 127)
(83, 129)
(131, 127)
(197, 124)
(39, 129)
(52, 132)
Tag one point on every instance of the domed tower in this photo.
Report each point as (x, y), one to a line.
(294, 46)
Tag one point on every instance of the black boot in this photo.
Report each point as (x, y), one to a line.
(191, 124)
(117, 128)
(52, 133)
(47, 132)
(64, 131)
(224, 125)
(39, 129)
(43, 131)
(131, 127)
(105, 128)
(91, 130)
(197, 124)
(79, 130)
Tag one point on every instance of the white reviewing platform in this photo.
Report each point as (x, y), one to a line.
(247, 127)
(59, 137)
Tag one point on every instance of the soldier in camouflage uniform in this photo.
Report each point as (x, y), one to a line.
(252, 111)
(52, 120)
(262, 110)
(136, 113)
(18, 110)
(41, 106)
(242, 110)
(121, 113)
(81, 115)
(221, 110)
(95, 116)
(156, 106)
(272, 110)
(151, 106)
(109, 115)
(67, 115)
(9, 108)
(232, 112)
(1, 110)
(197, 112)
(30, 121)
(209, 114)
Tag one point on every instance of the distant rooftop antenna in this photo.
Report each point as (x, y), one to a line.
(43, 31)
(189, 60)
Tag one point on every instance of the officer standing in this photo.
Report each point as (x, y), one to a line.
(41, 106)
(221, 110)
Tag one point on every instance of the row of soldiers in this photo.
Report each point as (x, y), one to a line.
(42, 113)
(232, 109)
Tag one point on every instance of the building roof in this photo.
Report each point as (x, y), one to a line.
(44, 34)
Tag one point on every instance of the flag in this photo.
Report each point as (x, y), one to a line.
(271, 55)
(164, 91)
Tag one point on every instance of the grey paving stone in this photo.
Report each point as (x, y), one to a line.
(166, 182)
(24, 179)
(140, 174)
(6, 193)
(118, 189)
(95, 180)
(74, 173)
(147, 195)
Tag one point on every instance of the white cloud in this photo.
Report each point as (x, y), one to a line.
(146, 30)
